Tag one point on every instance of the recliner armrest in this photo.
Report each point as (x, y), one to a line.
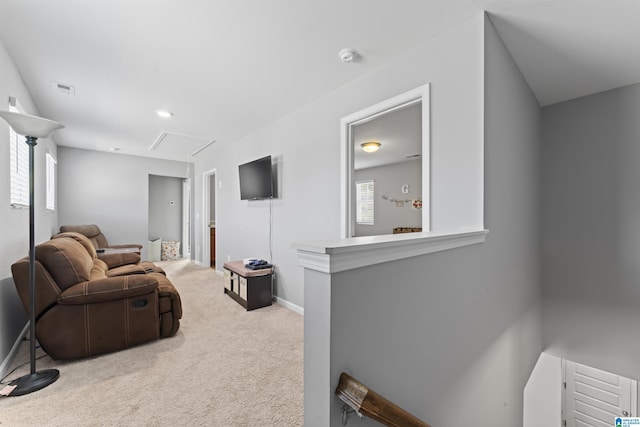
(109, 289)
(119, 259)
(129, 245)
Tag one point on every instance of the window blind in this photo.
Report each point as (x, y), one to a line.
(19, 163)
(51, 181)
(364, 202)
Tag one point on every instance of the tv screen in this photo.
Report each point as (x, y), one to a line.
(256, 180)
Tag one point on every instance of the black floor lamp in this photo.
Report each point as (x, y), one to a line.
(32, 128)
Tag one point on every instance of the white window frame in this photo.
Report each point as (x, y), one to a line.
(50, 197)
(365, 202)
(18, 163)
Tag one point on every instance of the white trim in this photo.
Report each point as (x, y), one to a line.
(186, 218)
(6, 363)
(202, 148)
(347, 254)
(414, 96)
(291, 306)
(634, 398)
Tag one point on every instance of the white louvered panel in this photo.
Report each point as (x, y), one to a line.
(19, 158)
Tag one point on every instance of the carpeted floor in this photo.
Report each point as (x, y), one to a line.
(224, 367)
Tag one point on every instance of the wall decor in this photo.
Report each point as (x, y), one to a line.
(414, 203)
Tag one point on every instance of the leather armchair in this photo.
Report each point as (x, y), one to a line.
(81, 311)
(96, 236)
(113, 264)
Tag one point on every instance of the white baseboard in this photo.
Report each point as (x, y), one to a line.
(6, 363)
(291, 306)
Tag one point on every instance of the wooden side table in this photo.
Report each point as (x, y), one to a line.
(250, 288)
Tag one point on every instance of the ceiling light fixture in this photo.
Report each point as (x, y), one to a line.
(348, 55)
(371, 146)
(164, 114)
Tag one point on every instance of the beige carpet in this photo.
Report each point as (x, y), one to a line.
(224, 367)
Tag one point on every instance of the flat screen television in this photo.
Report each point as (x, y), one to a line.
(256, 179)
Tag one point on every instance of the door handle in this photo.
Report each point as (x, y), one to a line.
(625, 413)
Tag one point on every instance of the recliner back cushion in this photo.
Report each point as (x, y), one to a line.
(80, 238)
(66, 261)
(92, 231)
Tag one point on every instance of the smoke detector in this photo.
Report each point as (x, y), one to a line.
(348, 55)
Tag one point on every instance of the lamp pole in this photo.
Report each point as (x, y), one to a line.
(31, 142)
(32, 128)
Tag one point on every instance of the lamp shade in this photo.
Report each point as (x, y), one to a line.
(27, 125)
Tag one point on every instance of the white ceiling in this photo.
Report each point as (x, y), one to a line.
(399, 132)
(225, 68)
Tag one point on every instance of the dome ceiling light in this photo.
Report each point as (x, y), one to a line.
(371, 146)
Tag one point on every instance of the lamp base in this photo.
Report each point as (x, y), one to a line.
(33, 382)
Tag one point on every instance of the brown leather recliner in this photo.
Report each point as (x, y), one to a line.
(96, 237)
(113, 264)
(81, 311)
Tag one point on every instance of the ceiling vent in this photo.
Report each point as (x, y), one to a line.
(64, 88)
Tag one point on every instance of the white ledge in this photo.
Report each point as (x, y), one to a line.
(333, 256)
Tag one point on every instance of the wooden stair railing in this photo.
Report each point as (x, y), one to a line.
(370, 404)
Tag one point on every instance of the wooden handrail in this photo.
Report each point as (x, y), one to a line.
(371, 404)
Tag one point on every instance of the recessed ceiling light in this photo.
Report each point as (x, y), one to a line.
(164, 114)
(114, 149)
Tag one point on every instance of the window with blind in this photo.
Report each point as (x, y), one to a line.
(19, 163)
(364, 202)
(51, 181)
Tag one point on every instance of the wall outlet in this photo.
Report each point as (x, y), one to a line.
(228, 257)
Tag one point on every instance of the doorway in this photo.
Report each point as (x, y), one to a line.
(167, 219)
(209, 218)
(414, 106)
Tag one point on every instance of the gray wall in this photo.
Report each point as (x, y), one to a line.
(306, 145)
(165, 220)
(388, 181)
(110, 190)
(591, 230)
(451, 336)
(543, 394)
(454, 344)
(14, 223)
